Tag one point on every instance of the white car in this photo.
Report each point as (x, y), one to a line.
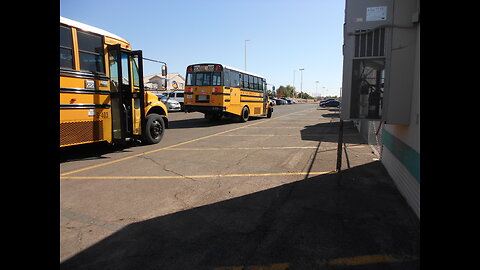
(171, 104)
(178, 96)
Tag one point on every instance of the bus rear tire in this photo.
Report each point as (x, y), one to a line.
(245, 114)
(154, 129)
(269, 112)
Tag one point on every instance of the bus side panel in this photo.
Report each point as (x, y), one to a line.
(94, 128)
(254, 100)
(85, 114)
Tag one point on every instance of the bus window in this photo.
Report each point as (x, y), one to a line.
(136, 79)
(245, 81)
(203, 78)
(90, 48)
(190, 79)
(113, 63)
(125, 64)
(226, 78)
(217, 78)
(234, 79)
(66, 47)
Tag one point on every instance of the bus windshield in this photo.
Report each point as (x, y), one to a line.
(204, 78)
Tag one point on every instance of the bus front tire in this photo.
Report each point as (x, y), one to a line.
(154, 129)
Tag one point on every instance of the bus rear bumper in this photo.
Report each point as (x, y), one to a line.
(204, 109)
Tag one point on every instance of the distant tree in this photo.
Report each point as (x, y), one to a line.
(305, 95)
(286, 91)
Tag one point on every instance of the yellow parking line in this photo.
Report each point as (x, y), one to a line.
(367, 259)
(275, 266)
(254, 135)
(281, 127)
(242, 148)
(359, 260)
(197, 176)
(350, 261)
(254, 148)
(167, 147)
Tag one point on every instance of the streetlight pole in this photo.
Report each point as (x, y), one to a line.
(301, 81)
(246, 53)
(294, 77)
(316, 87)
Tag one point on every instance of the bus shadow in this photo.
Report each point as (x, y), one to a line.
(303, 224)
(92, 151)
(202, 122)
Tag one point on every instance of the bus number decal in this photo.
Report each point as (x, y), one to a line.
(102, 114)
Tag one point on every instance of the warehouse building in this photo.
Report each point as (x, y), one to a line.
(381, 85)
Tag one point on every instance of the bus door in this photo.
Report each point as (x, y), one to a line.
(265, 96)
(138, 91)
(234, 93)
(126, 92)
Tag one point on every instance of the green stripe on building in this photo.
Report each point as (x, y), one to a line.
(404, 153)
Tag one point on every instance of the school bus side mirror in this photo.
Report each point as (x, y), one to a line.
(164, 70)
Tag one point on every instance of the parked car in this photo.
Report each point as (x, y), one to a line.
(178, 96)
(171, 104)
(329, 103)
(289, 101)
(280, 101)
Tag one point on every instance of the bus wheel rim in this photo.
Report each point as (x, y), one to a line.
(156, 129)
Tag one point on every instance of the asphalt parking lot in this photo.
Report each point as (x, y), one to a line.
(223, 195)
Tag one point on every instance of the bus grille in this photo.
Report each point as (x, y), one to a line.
(78, 132)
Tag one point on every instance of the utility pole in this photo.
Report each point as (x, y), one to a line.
(301, 81)
(246, 53)
(294, 77)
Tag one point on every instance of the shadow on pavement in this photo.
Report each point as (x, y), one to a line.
(308, 224)
(328, 132)
(92, 151)
(202, 122)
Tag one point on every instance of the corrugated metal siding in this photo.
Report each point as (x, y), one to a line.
(408, 186)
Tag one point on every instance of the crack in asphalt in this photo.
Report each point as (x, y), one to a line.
(89, 220)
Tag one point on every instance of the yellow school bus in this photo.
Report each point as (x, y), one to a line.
(217, 90)
(102, 97)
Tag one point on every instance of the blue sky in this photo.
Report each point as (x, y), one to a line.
(285, 35)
